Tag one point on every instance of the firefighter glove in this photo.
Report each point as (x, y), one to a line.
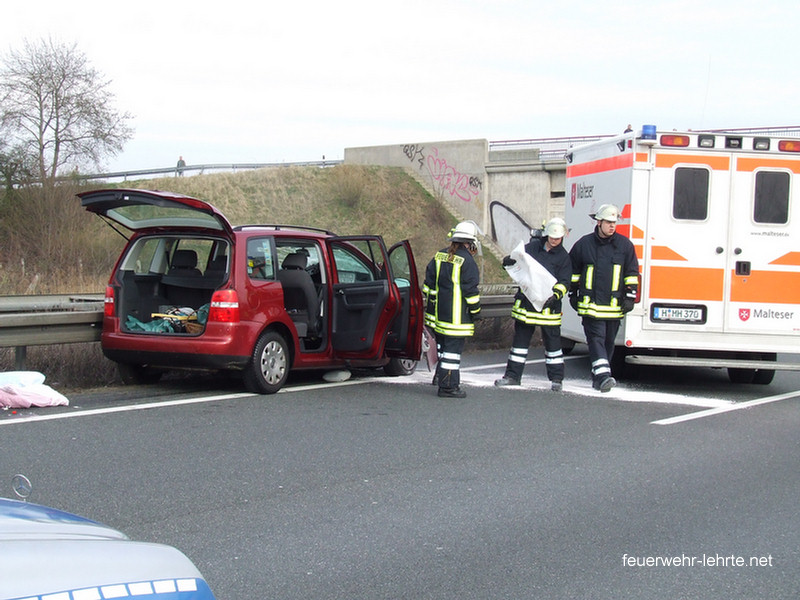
(573, 300)
(508, 261)
(551, 303)
(627, 304)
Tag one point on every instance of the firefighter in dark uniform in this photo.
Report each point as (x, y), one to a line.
(548, 251)
(605, 282)
(453, 304)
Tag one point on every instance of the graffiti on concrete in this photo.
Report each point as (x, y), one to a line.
(445, 177)
(414, 152)
(508, 227)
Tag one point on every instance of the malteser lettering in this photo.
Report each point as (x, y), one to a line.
(585, 191)
(760, 313)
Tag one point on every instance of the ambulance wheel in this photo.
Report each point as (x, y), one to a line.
(567, 346)
(619, 368)
(741, 375)
(763, 376)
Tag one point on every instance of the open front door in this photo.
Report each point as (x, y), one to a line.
(365, 299)
(405, 334)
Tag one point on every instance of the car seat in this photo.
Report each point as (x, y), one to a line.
(299, 294)
(184, 264)
(216, 271)
(181, 281)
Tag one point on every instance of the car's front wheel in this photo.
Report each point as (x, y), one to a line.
(400, 366)
(269, 366)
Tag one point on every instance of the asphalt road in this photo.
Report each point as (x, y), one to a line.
(376, 488)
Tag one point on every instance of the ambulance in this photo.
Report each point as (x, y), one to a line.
(715, 220)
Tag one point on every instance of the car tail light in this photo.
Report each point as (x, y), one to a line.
(108, 302)
(224, 307)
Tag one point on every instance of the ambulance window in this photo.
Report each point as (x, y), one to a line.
(772, 198)
(690, 196)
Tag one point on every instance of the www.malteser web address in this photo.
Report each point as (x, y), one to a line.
(703, 560)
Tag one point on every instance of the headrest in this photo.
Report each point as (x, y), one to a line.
(184, 259)
(295, 261)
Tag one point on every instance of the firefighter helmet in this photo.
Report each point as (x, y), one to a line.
(555, 228)
(466, 231)
(606, 212)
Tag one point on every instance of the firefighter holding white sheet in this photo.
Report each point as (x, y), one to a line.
(550, 253)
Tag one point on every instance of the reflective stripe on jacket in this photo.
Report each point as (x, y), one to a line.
(603, 270)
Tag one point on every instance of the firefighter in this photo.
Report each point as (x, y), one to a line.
(548, 251)
(605, 281)
(453, 304)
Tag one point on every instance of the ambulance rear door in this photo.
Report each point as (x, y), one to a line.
(687, 241)
(763, 251)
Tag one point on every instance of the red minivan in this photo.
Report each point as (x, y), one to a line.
(191, 291)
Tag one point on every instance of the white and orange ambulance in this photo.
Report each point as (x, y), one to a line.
(715, 219)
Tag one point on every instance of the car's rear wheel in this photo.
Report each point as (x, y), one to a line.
(269, 367)
(138, 374)
(397, 367)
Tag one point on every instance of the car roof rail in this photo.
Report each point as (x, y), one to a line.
(280, 227)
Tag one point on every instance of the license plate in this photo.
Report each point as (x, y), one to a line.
(681, 314)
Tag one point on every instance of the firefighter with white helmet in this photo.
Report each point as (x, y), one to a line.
(548, 250)
(453, 303)
(605, 280)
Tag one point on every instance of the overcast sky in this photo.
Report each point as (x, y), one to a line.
(235, 81)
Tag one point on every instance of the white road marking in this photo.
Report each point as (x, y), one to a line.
(200, 400)
(723, 409)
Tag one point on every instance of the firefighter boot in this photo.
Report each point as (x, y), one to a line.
(506, 380)
(455, 392)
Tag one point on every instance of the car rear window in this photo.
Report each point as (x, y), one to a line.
(154, 255)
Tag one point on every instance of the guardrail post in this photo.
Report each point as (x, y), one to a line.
(20, 354)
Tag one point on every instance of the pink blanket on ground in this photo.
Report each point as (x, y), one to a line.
(23, 389)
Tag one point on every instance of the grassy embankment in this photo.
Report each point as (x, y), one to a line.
(50, 245)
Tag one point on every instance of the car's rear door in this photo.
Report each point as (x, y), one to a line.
(365, 300)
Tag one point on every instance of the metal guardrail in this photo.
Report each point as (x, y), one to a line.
(75, 318)
(53, 302)
(48, 320)
(200, 169)
(550, 149)
(493, 307)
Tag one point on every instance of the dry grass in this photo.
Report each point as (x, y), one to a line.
(66, 368)
(50, 245)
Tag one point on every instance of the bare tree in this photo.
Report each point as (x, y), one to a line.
(57, 110)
